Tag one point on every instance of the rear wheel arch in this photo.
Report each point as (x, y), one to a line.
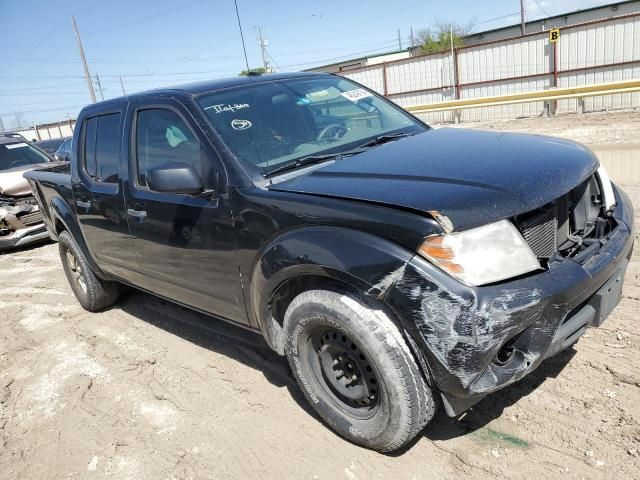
(64, 219)
(59, 226)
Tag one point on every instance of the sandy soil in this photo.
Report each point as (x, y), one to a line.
(600, 128)
(152, 390)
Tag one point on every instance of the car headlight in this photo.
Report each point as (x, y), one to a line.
(481, 255)
(608, 197)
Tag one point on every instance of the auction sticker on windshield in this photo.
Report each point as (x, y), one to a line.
(11, 146)
(357, 94)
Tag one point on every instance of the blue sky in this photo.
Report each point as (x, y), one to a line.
(167, 42)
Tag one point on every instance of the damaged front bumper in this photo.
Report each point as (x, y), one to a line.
(21, 223)
(477, 340)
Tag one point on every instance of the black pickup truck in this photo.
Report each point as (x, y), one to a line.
(395, 265)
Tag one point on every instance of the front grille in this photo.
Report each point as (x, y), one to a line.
(62, 168)
(568, 225)
(31, 218)
(540, 231)
(11, 201)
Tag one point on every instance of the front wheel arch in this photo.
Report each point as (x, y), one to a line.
(294, 283)
(359, 260)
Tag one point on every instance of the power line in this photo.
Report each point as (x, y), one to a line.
(57, 93)
(542, 9)
(43, 111)
(244, 48)
(116, 75)
(207, 58)
(180, 74)
(491, 20)
(144, 19)
(44, 39)
(274, 61)
(21, 90)
(342, 57)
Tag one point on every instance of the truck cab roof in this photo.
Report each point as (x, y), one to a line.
(196, 88)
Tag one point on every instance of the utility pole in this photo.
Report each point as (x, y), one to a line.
(399, 40)
(122, 85)
(87, 75)
(453, 59)
(263, 47)
(99, 87)
(413, 42)
(69, 122)
(1, 125)
(522, 15)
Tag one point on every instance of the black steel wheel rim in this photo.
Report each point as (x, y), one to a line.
(344, 372)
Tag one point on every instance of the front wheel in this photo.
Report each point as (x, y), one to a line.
(93, 293)
(356, 369)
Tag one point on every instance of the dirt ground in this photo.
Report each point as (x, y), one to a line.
(599, 128)
(149, 390)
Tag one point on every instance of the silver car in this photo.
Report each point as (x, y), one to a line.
(20, 217)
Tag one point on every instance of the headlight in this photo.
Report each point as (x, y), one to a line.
(608, 197)
(481, 255)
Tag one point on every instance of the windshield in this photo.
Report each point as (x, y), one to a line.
(15, 155)
(272, 124)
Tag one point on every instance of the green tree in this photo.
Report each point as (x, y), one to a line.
(439, 38)
(259, 70)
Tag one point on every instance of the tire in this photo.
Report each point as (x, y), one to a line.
(93, 293)
(356, 369)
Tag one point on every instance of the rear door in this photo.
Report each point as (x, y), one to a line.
(185, 244)
(98, 195)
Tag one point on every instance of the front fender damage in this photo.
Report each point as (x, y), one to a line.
(461, 330)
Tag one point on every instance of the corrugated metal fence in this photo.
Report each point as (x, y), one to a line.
(593, 52)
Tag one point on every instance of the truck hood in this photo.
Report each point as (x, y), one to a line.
(12, 182)
(472, 177)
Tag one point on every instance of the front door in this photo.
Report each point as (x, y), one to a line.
(185, 244)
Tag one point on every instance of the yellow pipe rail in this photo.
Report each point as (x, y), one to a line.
(612, 88)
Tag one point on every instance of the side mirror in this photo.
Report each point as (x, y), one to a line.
(59, 157)
(175, 177)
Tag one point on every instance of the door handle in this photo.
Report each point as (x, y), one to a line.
(137, 214)
(83, 204)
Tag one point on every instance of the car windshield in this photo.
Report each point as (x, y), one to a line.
(272, 124)
(20, 154)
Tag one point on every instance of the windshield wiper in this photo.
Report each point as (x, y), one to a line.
(310, 159)
(384, 138)
(301, 162)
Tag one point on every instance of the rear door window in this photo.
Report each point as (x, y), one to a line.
(102, 148)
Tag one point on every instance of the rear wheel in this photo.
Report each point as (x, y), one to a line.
(93, 293)
(356, 369)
